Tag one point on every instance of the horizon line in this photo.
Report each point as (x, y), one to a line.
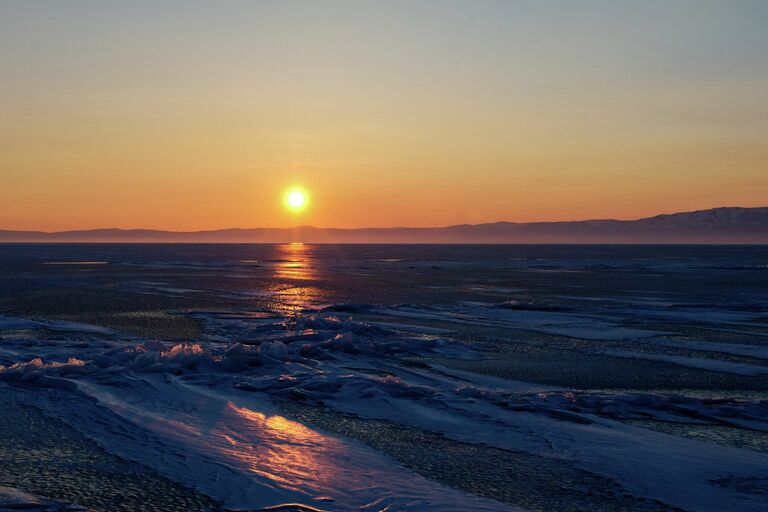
(309, 226)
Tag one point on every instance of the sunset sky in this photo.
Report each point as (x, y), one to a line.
(199, 115)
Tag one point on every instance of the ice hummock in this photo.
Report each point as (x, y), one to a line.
(204, 411)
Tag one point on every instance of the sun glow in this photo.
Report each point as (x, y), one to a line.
(295, 199)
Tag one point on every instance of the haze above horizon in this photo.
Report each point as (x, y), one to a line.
(193, 115)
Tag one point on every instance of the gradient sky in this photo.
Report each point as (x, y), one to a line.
(197, 115)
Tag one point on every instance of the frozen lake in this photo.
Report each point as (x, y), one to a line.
(348, 377)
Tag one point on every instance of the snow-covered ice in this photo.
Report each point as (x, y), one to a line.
(206, 411)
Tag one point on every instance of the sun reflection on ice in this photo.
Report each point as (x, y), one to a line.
(281, 450)
(295, 265)
(294, 262)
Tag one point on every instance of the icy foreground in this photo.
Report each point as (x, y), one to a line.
(206, 413)
(14, 499)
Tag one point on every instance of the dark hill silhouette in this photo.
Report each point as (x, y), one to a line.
(717, 225)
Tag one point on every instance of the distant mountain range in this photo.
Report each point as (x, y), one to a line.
(730, 225)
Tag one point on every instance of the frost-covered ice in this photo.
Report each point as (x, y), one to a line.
(13, 499)
(203, 413)
(694, 362)
(206, 412)
(190, 411)
(23, 324)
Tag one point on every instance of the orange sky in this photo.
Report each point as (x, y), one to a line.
(406, 114)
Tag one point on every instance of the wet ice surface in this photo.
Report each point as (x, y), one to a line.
(618, 378)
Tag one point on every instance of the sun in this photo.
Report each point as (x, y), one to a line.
(296, 199)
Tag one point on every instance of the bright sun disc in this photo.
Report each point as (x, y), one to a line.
(295, 199)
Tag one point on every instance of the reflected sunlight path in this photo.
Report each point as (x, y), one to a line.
(239, 449)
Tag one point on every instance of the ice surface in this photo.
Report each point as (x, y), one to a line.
(12, 499)
(19, 324)
(694, 362)
(203, 411)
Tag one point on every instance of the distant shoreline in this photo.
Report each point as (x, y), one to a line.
(726, 225)
(428, 244)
